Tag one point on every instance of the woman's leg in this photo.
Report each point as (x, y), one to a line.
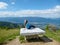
(32, 26)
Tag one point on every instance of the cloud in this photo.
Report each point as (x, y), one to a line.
(12, 3)
(3, 5)
(47, 13)
(7, 14)
(38, 12)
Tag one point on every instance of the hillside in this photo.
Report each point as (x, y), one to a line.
(8, 25)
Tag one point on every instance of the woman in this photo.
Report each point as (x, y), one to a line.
(27, 25)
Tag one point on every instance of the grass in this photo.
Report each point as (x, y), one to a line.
(21, 39)
(7, 35)
(53, 35)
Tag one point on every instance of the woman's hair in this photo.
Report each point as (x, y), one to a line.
(25, 22)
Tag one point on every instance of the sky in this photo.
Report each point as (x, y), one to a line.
(30, 8)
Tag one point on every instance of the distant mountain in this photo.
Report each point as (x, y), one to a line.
(33, 20)
(30, 19)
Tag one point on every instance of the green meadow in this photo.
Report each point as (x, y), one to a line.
(8, 35)
(53, 35)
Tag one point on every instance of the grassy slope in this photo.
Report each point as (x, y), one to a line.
(54, 35)
(6, 35)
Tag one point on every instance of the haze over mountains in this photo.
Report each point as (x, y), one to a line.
(37, 21)
(30, 19)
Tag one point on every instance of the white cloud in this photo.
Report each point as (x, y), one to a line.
(3, 5)
(7, 14)
(38, 12)
(47, 13)
(12, 3)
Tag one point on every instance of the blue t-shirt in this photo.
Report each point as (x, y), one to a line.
(28, 26)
